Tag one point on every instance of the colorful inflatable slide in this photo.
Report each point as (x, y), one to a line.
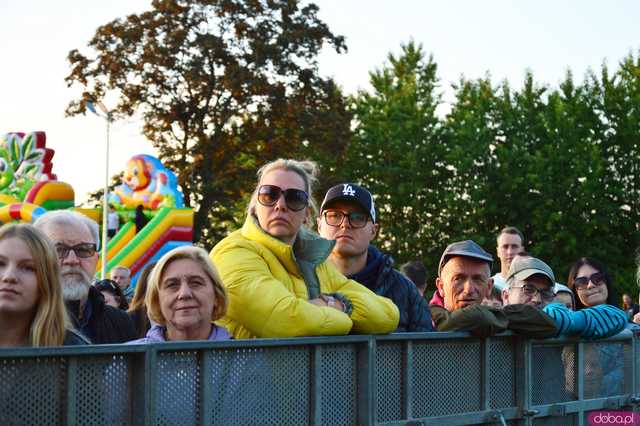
(28, 189)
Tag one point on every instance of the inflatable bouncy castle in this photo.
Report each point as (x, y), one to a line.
(28, 188)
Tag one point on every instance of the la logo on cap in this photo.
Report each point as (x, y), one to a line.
(348, 190)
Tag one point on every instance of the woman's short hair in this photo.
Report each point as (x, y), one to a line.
(612, 298)
(307, 170)
(50, 321)
(198, 255)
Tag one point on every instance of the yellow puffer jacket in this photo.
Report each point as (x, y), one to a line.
(268, 294)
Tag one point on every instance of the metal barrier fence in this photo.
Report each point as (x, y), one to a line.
(409, 379)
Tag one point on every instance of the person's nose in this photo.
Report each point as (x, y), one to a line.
(345, 222)
(537, 298)
(281, 204)
(71, 259)
(9, 274)
(468, 287)
(185, 290)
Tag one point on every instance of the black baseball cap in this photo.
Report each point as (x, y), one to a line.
(466, 248)
(351, 192)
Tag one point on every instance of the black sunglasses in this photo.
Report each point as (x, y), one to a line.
(582, 282)
(82, 250)
(295, 199)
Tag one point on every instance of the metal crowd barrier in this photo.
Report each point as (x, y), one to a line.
(399, 379)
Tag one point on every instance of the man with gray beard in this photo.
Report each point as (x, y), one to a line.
(76, 239)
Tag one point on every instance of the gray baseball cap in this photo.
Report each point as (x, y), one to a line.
(466, 248)
(523, 267)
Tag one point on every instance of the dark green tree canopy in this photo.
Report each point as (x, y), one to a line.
(221, 86)
(560, 164)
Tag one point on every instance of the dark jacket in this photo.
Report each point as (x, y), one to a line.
(140, 321)
(380, 277)
(73, 338)
(101, 323)
(483, 321)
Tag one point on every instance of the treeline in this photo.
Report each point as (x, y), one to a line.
(223, 87)
(561, 164)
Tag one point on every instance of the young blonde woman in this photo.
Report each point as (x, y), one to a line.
(276, 272)
(32, 312)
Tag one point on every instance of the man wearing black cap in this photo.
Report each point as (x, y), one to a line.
(348, 216)
(464, 280)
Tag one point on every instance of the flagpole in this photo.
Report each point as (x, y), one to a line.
(105, 201)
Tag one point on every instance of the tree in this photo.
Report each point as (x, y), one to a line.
(562, 164)
(222, 86)
(395, 152)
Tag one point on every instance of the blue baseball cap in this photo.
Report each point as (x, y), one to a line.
(350, 192)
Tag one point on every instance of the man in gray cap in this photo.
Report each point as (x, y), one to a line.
(529, 281)
(464, 280)
(464, 276)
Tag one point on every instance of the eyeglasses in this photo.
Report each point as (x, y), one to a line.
(582, 282)
(531, 291)
(82, 250)
(295, 199)
(336, 217)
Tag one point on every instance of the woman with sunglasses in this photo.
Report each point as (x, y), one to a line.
(590, 281)
(276, 271)
(32, 312)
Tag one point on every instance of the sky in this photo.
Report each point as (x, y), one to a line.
(468, 38)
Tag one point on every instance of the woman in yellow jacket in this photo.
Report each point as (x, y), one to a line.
(276, 272)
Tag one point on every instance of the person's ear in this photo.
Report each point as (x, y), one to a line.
(374, 230)
(439, 286)
(505, 296)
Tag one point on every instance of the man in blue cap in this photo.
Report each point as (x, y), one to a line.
(348, 216)
(464, 281)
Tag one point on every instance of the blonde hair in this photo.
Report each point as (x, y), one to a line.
(306, 169)
(50, 322)
(198, 255)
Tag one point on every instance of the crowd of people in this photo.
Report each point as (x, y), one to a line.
(291, 270)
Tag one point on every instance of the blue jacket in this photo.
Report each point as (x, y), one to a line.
(595, 322)
(380, 277)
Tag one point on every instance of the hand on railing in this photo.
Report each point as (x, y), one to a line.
(329, 301)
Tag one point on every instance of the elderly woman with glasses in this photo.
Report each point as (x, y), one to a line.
(276, 271)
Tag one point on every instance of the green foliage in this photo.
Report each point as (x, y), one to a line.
(223, 87)
(395, 152)
(20, 165)
(560, 164)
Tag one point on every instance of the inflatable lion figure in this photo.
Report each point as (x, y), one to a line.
(148, 182)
